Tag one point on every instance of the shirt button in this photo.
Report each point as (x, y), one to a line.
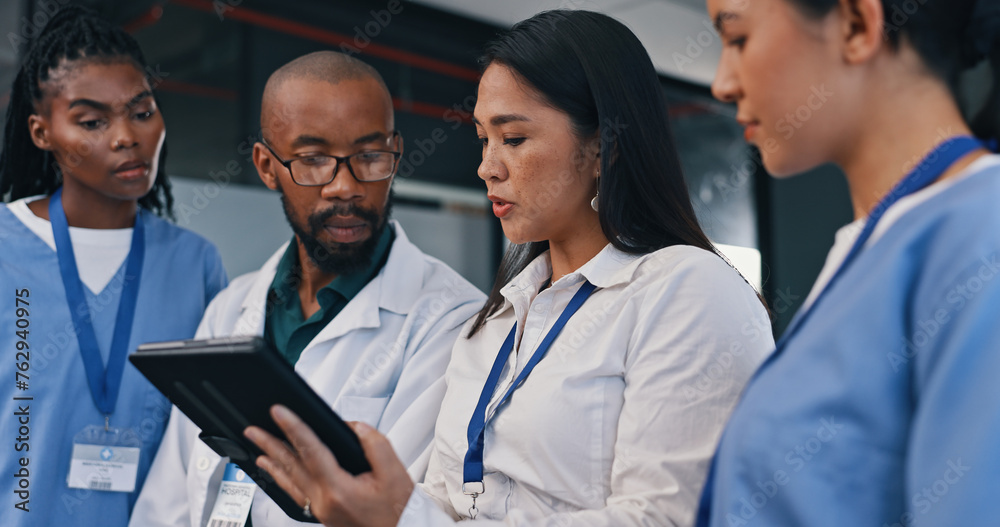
(203, 463)
(539, 308)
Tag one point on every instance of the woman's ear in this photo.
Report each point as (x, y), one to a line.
(38, 129)
(592, 149)
(594, 146)
(862, 29)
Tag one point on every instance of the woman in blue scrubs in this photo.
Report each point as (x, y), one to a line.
(881, 404)
(88, 271)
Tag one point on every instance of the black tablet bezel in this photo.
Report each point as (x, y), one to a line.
(226, 384)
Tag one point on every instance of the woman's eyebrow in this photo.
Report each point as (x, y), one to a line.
(139, 98)
(91, 103)
(722, 18)
(503, 119)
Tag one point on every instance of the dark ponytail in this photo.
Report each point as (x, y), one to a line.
(74, 33)
(951, 36)
(983, 42)
(594, 69)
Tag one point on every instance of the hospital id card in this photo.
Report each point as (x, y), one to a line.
(105, 459)
(232, 506)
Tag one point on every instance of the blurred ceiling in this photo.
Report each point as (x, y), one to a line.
(677, 33)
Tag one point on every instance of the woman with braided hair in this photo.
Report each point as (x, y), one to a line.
(88, 271)
(880, 405)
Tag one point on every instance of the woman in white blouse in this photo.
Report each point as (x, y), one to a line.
(613, 422)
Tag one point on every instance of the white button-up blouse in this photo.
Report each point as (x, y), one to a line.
(617, 423)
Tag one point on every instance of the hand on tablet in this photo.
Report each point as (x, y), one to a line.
(310, 474)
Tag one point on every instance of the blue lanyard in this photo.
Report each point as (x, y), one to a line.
(930, 168)
(477, 426)
(104, 382)
(926, 172)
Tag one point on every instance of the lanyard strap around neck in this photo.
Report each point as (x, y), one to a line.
(929, 170)
(104, 382)
(473, 472)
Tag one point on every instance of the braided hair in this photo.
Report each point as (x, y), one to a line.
(74, 33)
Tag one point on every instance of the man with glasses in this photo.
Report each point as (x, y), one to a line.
(363, 315)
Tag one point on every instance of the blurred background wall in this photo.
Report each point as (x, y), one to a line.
(210, 59)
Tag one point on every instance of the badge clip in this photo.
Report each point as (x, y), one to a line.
(474, 489)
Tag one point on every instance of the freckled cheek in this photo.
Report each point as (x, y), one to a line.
(525, 184)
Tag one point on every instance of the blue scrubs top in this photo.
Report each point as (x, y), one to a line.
(884, 409)
(181, 273)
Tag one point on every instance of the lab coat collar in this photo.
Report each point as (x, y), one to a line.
(395, 288)
(608, 268)
(251, 320)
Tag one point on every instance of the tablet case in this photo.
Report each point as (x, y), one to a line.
(224, 385)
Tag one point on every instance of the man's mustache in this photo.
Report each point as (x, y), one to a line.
(318, 219)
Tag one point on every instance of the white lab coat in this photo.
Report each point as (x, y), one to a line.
(380, 361)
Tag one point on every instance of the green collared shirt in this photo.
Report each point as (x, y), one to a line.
(284, 326)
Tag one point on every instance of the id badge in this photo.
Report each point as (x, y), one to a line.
(232, 506)
(105, 459)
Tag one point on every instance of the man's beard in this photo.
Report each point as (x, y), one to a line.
(338, 258)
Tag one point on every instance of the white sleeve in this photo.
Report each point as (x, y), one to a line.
(433, 488)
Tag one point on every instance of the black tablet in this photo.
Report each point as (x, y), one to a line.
(225, 385)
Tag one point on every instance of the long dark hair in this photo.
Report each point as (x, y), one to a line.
(74, 33)
(594, 69)
(951, 37)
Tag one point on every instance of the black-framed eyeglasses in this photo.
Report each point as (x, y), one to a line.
(315, 171)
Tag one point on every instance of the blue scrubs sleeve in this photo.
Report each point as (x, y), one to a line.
(953, 458)
(215, 274)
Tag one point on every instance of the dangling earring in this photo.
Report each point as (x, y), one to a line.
(593, 202)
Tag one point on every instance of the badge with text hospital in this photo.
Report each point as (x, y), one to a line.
(232, 506)
(105, 459)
